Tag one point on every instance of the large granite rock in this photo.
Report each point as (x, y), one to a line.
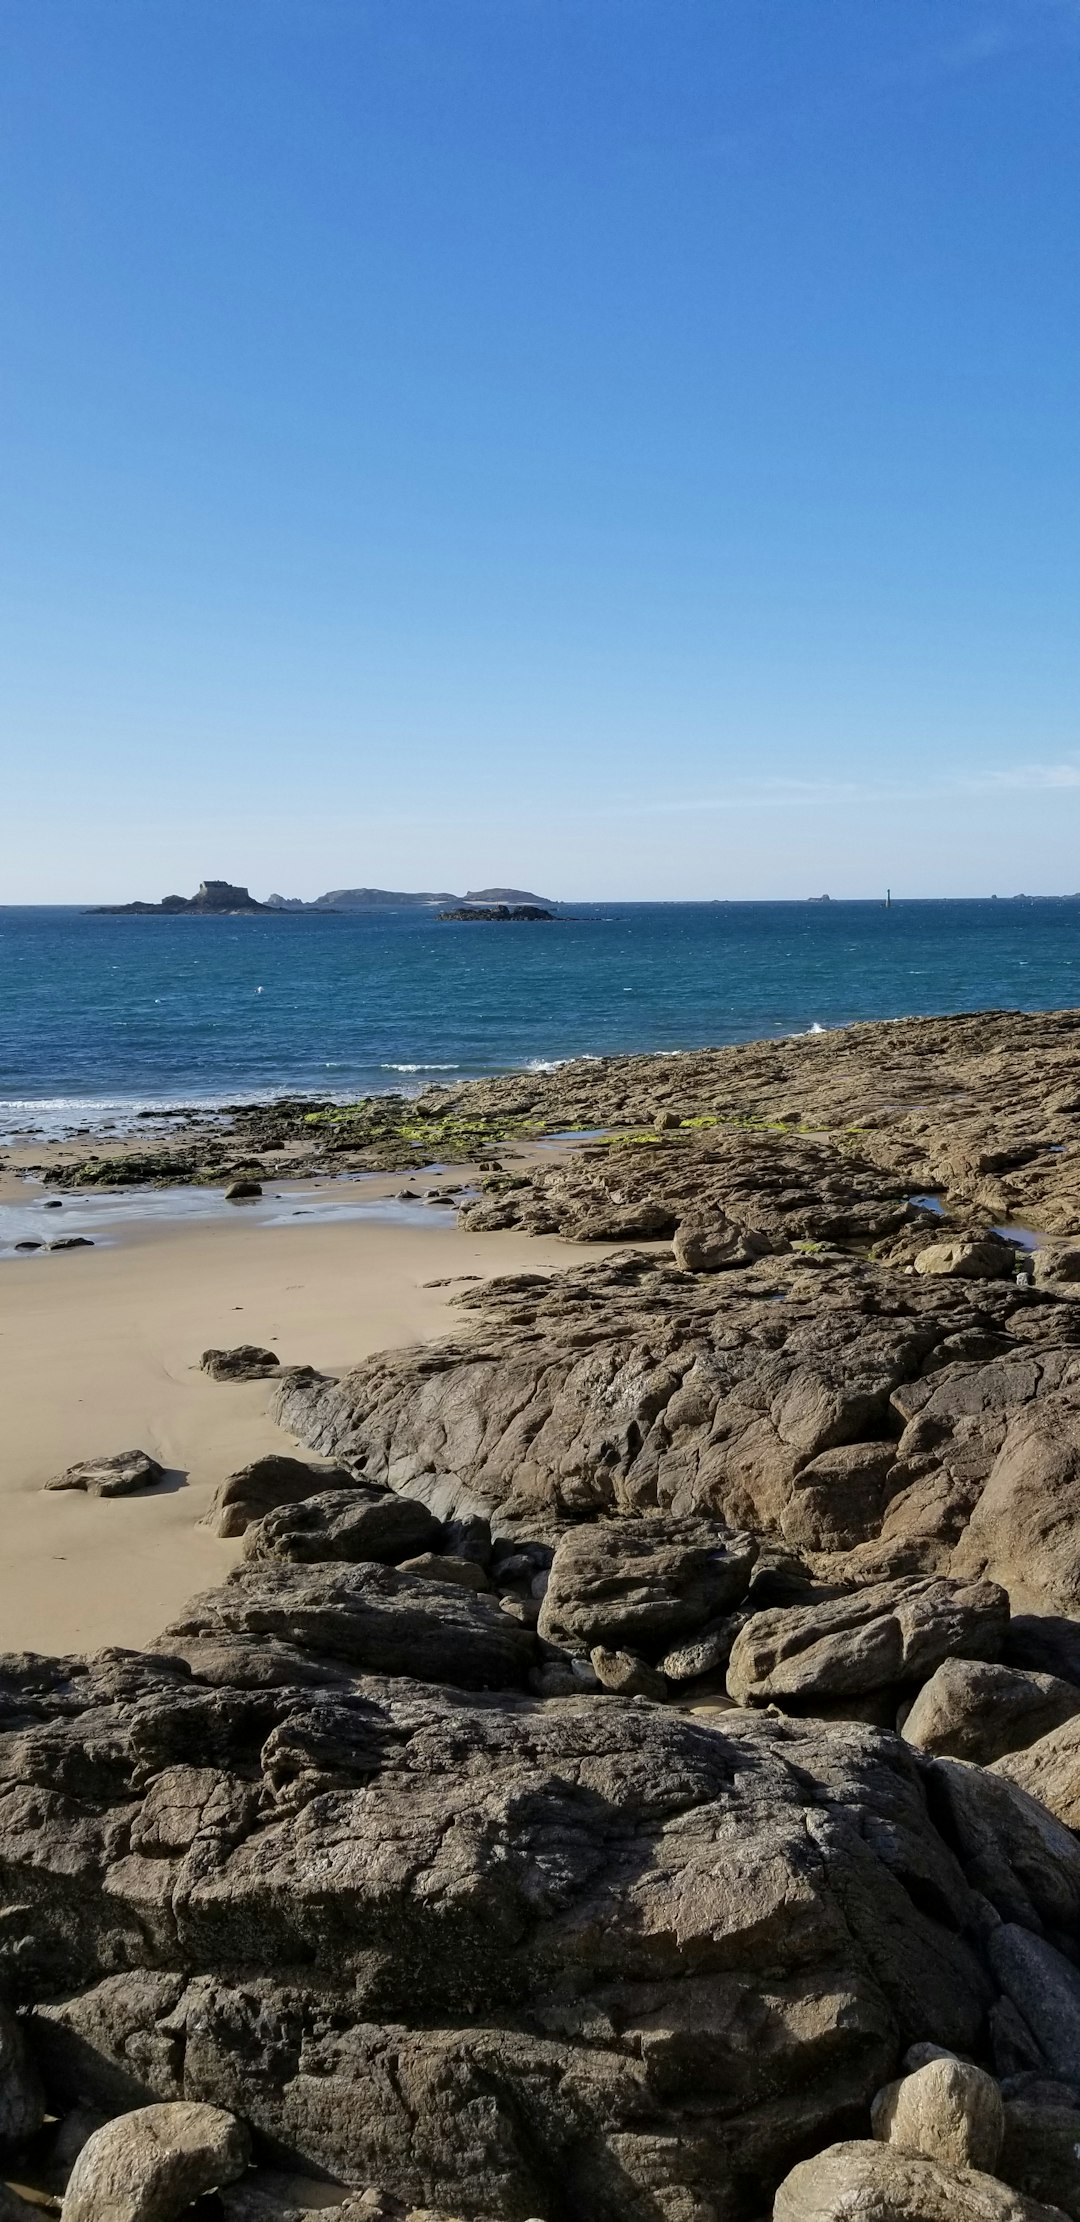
(509, 1957)
(880, 2183)
(368, 1616)
(352, 1524)
(148, 2166)
(258, 1488)
(869, 1640)
(1025, 1529)
(1049, 1771)
(642, 1584)
(973, 1709)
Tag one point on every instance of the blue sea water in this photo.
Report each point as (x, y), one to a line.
(101, 1017)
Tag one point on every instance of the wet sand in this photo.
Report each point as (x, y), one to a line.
(99, 1352)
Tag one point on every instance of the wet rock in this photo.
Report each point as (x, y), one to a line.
(242, 1191)
(247, 1362)
(149, 2165)
(947, 2109)
(114, 1476)
(881, 2183)
(891, 1633)
(626, 1675)
(349, 1524)
(974, 1709)
(254, 1490)
(71, 1242)
(638, 1584)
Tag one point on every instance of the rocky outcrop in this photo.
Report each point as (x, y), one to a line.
(114, 1476)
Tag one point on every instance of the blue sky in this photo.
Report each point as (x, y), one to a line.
(628, 447)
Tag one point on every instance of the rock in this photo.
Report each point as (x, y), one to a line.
(969, 1257)
(29, 1245)
(435, 1566)
(710, 1245)
(1044, 1987)
(1025, 1528)
(245, 1363)
(22, 2104)
(637, 1584)
(350, 1524)
(71, 1242)
(242, 1191)
(1049, 1771)
(1013, 1852)
(705, 1655)
(973, 1709)
(1056, 1262)
(626, 1675)
(348, 1913)
(891, 1633)
(111, 1477)
(881, 2183)
(268, 1482)
(838, 1498)
(1041, 2153)
(148, 2166)
(369, 1616)
(947, 2109)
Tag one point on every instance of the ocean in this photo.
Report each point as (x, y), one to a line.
(101, 1018)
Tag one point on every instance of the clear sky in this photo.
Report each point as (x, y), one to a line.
(624, 447)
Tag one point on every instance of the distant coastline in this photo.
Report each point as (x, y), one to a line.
(225, 899)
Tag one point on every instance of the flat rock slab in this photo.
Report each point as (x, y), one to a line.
(244, 1363)
(114, 1476)
(366, 1616)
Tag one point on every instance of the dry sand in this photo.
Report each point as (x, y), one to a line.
(99, 1352)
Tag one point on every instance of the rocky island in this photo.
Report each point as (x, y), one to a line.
(633, 1770)
(215, 899)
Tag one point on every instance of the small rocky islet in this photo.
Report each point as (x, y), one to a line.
(633, 1770)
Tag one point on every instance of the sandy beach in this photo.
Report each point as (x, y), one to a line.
(99, 1352)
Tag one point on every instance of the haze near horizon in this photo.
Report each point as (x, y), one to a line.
(625, 450)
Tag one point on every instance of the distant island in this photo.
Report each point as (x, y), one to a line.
(495, 914)
(221, 899)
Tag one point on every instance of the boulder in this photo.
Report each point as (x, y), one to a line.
(242, 1191)
(115, 1476)
(947, 2109)
(445, 1566)
(1044, 1987)
(710, 1245)
(246, 1362)
(838, 1498)
(890, 1633)
(1041, 2153)
(706, 1654)
(974, 1709)
(1012, 1850)
(638, 1584)
(253, 1491)
(626, 1675)
(366, 1615)
(968, 1258)
(1056, 1263)
(882, 2183)
(148, 2166)
(1024, 1530)
(350, 1524)
(1049, 1771)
